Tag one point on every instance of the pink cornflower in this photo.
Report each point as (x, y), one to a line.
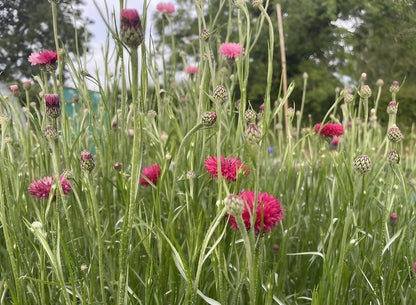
(230, 168)
(269, 212)
(191, 70)
(45, 59)
(167, 8)
(330, 129)
(14, 88)
(152, 173)
(41, 188)
(231, 50)
(53, 107)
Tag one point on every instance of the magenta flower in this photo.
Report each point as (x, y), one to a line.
(167, 8)
(269, 212)
(132, 33)
(152, 173)
(53, 107)
(14, 88)
(45, 59)
(230, 168)
(231, 50)
(191, 70)
(330, 129)
(42, 188)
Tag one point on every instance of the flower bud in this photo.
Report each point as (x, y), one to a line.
(250, 116)
(190, 175)
(380, 83)
(253, 134)
(393, 157)
(393, 219)
(50, 133)
(204, 35)
(132, 33)
(392, 108)
(208, 118)
(362, 164)
(27, 84)
(235, 205)
(68, 174)
(394, 134)
(53, 107)
(395, 88)
(118, 166)
(87, 161)
(220, 93)
(365, 91)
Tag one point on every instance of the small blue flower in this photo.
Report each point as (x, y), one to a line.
(270, 150)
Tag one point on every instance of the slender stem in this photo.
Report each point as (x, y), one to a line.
(136, 165)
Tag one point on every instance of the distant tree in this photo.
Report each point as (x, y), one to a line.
(378, 38)
(27, 27)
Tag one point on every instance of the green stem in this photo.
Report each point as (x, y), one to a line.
(136, 165)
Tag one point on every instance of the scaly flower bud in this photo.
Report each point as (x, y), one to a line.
(394, 134)
(392, 108)
(380, 83)
(208, 118)
(87, 161)
(393, 219)
(220, 93)
(393, 157)
(250, 116)
(362, 164)
(256, 3)
(235, 205)
(27, 84)
(395, 88)
(253, 134)
(131, 28)
(365, 91)
(204, 35)
(53, 107)
(50, 133)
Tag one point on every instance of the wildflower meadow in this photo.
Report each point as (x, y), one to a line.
(175, 189)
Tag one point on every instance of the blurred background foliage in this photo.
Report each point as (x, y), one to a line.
(334, 41)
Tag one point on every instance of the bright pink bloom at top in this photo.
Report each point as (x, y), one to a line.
(167, 8)
(52, 100)
(330, 129)
(41, 188)
(268, 214)
(230, 167)
(130, 18)
(231, 50)
(191, 70)
(43, 58)
(152, 173)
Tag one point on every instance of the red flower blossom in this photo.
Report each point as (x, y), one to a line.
(230, 167)
(152, 173)
(191, 70)
(132, 33)
(167, 8)
(43, 58)
(330, 129)
(41, 188)
(269, 212)
(231, 50)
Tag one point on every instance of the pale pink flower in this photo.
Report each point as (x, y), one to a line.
(231, 50)
(191, 70)
(167, 8)
(14, 88)
(43, 58)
